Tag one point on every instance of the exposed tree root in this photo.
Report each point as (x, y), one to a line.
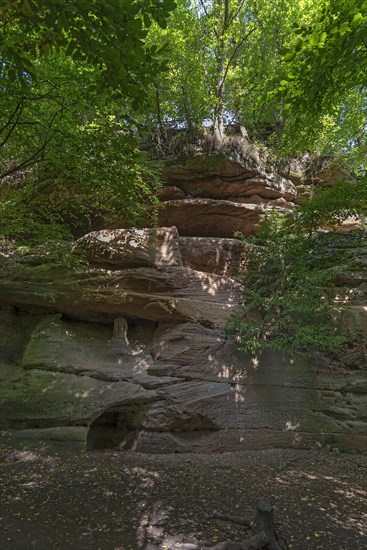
(264, 533)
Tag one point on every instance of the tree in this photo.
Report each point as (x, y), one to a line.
(180, 96)
(328, 57)
(72, 77)
(325, 87)
(206, 38)
(261, 64)
(69, 163)
(104, 39)
(229, 26)
(225, 58)
(261, 68)
(109, 36)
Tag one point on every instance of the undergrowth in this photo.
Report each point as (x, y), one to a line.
(289, 299)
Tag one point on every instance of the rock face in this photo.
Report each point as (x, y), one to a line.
(214, 255)
(216, 195)
(132, 248)
(211, 218)
(130, 351)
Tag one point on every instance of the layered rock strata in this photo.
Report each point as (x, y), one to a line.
(217, 195)
(130, 352)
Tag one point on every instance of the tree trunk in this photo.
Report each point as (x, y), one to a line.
(218, 125)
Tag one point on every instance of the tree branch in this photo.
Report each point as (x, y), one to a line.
(209, 18)
(26, 163)
(236, 12)
(39, 155)
(234, 53)
(18, 106)
(11, 130)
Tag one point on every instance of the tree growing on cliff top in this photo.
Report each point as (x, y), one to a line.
(268, 65)
(224, 58)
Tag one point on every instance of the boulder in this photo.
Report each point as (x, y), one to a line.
(128, 248)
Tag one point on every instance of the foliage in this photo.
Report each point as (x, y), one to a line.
(225, 58)
(262, 64)
(258, 76)
(66, 210)
(108, 36)
(68, 158)
(332, 205)
(288, 300)
(287, 305)
(78, 79)
(69, 164)
(324, 87)
(329, 56)
(207, 41)
(179, 96)
(92, 176)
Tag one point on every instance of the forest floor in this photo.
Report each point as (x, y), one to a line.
(122, 500)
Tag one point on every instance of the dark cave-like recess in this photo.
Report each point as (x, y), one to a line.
(115, 428)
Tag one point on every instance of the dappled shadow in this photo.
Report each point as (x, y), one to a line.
(118, 500)
(148, 328)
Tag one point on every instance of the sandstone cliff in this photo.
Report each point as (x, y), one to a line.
(130, 351)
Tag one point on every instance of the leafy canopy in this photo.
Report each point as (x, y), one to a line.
(325, 86)
(107, 35)
(72, 77)
(293, 73)
(328, 57)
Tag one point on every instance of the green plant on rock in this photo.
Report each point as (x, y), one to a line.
(332, 205)
(287, 301)
(289, 292)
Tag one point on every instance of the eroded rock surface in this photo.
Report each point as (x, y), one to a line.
(211, 218)
(216, 195)
(214, 255)
(131, 248)
(130, 352)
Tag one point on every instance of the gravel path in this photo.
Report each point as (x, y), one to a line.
(121, 501)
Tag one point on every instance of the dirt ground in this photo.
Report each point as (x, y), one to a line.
(122, 500)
